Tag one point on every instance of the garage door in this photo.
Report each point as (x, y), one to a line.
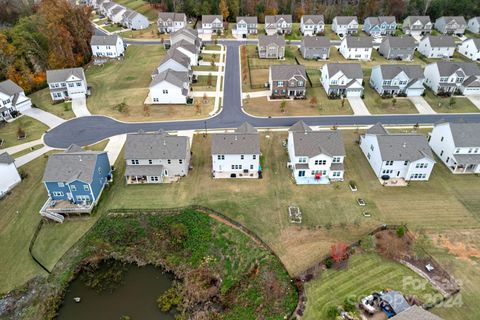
(354, 92)
(415, 92)
(471, 91)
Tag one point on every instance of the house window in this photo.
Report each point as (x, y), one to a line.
(86, 187)
(301, 173)
(73, 188)
(154, 179)
(254, 157)
(421, 165)
(169, 161)
(221, 157)
(280, 83)
(389, 163)
(150, 161)
(300, 83)
(336, 173)
(368, 156)
(320, 162)
(79, 84)
(476, 150)
(457, 151)
(165, 91)
(441, 139)
(155, 99)
(60, 184)
(71, 85)
(336, 160)
(180, 161)
(302, 160)
(371, 147)
(470, 150)
(405, 163)
(57, 194)
(134, 161)
(242, 157)
(448, 159)
(441, 153)
(251, 167)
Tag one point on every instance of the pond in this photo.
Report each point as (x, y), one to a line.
(133, 294)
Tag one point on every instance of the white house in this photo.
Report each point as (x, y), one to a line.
(12, 100)
(398, 79)
(212, 24)
(470, 48)
(245, 26)
(473, 25)
(134, 20)
(417, 25)
(312, 24)
(170, 87)
(437, 46)
(168, 22)
(315, 157)
(187, 34)
(451, 25)
(278, 24)
(457, 144)
(356, 48)
(342, 79)
(190, 50)
(107, 46)
(397, 156)
(345, 25)
(116, 15)
(236, 154)
(9, 173)
(174, 60)
(447, 77)
(67, 83)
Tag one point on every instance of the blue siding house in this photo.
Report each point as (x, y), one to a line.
(74, 181)
(380, 26)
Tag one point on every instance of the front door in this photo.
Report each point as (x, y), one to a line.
(398, 173)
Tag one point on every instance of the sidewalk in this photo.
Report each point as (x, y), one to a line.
(358, 106)
(21, 147)
(422, 105)
(47, 118)
(20, 161)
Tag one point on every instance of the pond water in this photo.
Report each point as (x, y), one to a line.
(134, 296)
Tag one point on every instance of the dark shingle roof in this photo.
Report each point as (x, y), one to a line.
(266, 40)
(351, 70)
(316, 42)
(109, 40)
(313, 19)
(345, 19)
(287, 71)
(6, 158)
(245, 140)
(390, 71)
(440, 41)
(400, 42)
(447, 68)
(359, 42)
(465, 134)
(10, 88)
(206, 18)
(60, 75)
(310, 143)
(249, 20)
(173, 16)
(415, 313)
(423, 19)
(458, 19)
(157, 145)
(177, 78)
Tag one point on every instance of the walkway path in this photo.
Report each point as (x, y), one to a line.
(358, 106)
(47, 118)
(422, 105)
(20, 161)
(475, 100)
(255, 94)
(23, 146)
(79, 107)
(114, 147)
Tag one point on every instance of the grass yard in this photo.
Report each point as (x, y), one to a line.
(255, 62)
(209, 57)
(112, 27)
(296, 34)
(42, 100)
(443, 104)
(323, 106)
(149, 33)
(364, 274)
(140, 6)
(202, 83)
(205, 68)
(377, 105)
(33, 128)
(215, 47)
(180, 111)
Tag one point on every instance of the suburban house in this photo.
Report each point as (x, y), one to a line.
(457, 144)
(246, 26)
(356, 48)
(448, 77)
(174, 60)
(116, 14)
(236, 154)
(474, 25)
(315, 157)
(134, 20)
(156, 157)
(342, 79)
(437, 46)
(315, 47)
(470, 48)
(187, 34)
(280, 24)
(12, 100)
(417, 25)
(168, 22)
(74, 181)
(451, 25)
(398, 80)
(271, 47)
(212, 24)
(9, 173)
(312, 24)
(380, 26)
(397, 156)
(287, 81)
(109, 46)
(190, 50)
(67, 83)
(106, 6)
(415, 313)
(345, 25)
(398, 48)
(169, 87)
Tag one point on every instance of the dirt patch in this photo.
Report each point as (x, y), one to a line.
(460, 249)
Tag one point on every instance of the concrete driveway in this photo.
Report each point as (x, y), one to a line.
(114, 147)
(422, 105)
(79, 107)
(358, 106)
(475, 100)
(47, 118)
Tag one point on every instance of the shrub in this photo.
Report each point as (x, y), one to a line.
(367, 242)
(332, 312)
(349, 305)
(169, 299)
(401, 231)
(329, 263)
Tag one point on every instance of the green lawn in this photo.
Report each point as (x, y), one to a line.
(202, 83)
(205, 68)
(209, 57)
(377, 105)
(443, 104)
(33, 128)
(42, 100)
(140, 6)
(214, 47)
(365, 273)
(296, 34)
(113, 27)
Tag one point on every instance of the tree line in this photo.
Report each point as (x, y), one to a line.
(329, 8)
(56, 34)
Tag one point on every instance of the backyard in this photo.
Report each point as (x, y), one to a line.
(140, 6)
(9, 131)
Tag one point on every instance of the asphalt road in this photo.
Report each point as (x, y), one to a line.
(88, 130)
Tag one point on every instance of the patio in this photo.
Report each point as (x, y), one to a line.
(395, 182)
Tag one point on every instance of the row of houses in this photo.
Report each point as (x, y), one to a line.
(346, 79)
(119, 14)
(76, 178)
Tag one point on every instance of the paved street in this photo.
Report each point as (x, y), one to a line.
(88, 130)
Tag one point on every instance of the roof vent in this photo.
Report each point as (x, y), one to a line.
(404, 144)
(236, 137)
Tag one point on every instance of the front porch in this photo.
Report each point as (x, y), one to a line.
(465, 169)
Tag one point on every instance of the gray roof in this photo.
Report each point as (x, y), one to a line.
(313, 19)
(5, 158)
(265, 40)
(269, 20)
(177, 56)
(177, 78)
(109, 40)
(156, 145)
(458, 19)
(108, 5)
(396, 300)
(422, 19)
(311, 143)
(476, 42)
(287, 71)
(415, 313)
(390, 71)
(447, 68)
(400, 42)
(173, 16)
(73, 164)
(316, 42)
(207, 18)
(440, 41)
(60, 75)
(188, 32)
(144, 170)
(467, 159)
(185, 45)
(245, 140)
(351, 70)
(359, 42)
(117, 9)
(249, 20)
(10, 88)
(400, 146)
(381, 19)
(465, 134)
(345, 19)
